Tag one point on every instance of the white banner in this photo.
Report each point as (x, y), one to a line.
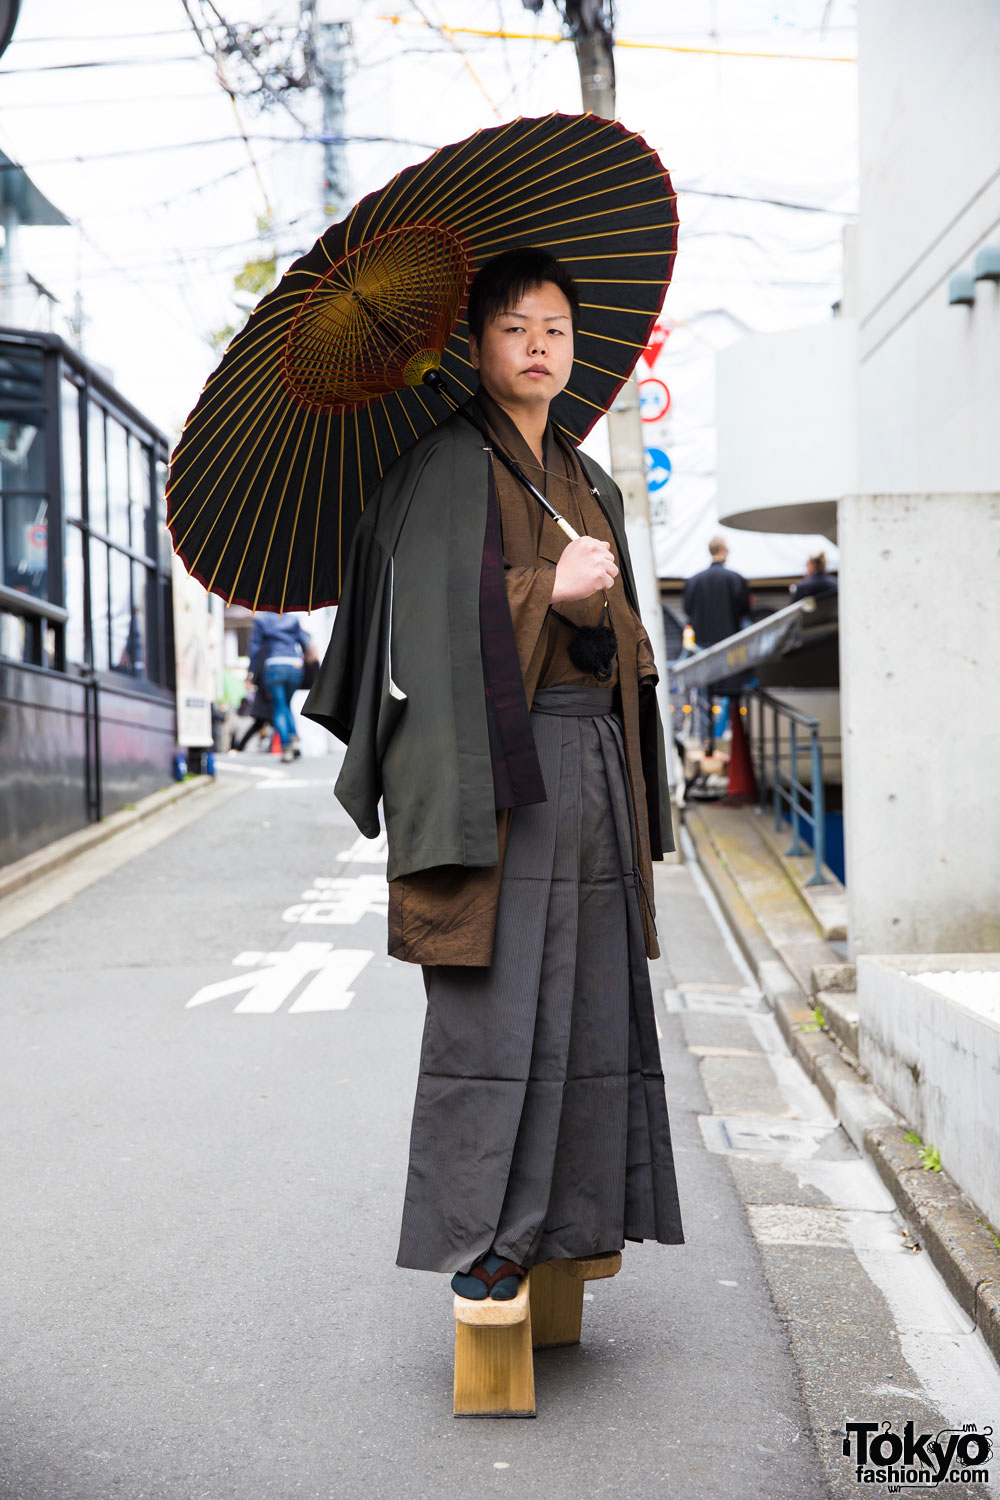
(193, 659)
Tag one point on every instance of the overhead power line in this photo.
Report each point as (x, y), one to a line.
(212, 53)
(620, 42)
(450, 33)
(311, 138)
(118, 36)
(105, 62)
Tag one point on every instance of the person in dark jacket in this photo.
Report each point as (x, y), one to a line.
(717, 603)
(817, 581)
(260, 713)
(716, 600)
(278, 649)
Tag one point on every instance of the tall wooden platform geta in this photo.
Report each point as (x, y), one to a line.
(494, 1370)
(556, 1296)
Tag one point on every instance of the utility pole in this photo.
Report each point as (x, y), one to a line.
(331, 36)
(591, 25)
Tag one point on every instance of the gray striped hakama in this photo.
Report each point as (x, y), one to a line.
(540, 1121)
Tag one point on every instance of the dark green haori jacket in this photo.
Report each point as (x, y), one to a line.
(402, 680)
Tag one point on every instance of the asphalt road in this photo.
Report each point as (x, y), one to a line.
(200, 1202)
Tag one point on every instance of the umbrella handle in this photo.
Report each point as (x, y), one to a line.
(574, 536)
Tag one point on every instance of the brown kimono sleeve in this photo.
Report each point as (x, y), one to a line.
(529, 594)
(645, 662)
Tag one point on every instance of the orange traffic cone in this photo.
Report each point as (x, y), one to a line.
(275, 742)
(742, 782)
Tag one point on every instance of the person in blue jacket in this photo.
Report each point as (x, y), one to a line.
(278, 649)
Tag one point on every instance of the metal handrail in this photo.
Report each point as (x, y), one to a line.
(785, 710)
(786, 786)
(731, 652)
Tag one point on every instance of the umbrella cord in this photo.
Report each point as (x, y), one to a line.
(435, 380)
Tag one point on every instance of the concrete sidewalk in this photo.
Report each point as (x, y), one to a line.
(783, 930)
(210, 1065)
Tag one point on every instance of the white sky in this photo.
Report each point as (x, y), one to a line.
(161, 225)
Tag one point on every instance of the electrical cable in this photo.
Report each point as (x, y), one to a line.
(240, 46)
(121, 36)
(79, 160)
(539, 36)
(446, 31)
(223, 82)
(804, 208)
(106, 62)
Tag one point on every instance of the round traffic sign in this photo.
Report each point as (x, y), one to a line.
(654, 399)
(658, 469)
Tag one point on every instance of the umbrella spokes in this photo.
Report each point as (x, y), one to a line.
(323, 389)
(377, 319)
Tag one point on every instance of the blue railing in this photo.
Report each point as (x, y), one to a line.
(804, 802)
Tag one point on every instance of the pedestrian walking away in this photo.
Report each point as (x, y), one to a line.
(278, 650)
(257, 708)
(717, 603)
(495, 687)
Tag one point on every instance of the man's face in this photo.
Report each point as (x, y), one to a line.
(526, 354)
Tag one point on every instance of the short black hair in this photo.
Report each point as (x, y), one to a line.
(501, 283)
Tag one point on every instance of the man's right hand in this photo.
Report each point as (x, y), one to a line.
(585, 567)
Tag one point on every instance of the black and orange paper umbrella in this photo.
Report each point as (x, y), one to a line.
(323, 388)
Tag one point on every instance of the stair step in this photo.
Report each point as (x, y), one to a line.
(767, 887)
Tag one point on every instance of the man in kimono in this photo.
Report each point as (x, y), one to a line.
(524, 800)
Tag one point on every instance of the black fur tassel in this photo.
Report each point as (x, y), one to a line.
(593, 647)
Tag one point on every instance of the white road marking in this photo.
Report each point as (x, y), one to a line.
(713, 1004)
(271, 772)
(847, 1184)
(334, 900)
(292, 784)
(366, 851)
(329, 989)
(275, 976)
(938, 1341)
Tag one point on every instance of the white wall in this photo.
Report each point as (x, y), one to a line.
(926, 1053)
(920, 541)
(929, 374)
(787, 427)
(920, 714)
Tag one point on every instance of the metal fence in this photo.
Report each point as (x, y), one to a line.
(779, 775)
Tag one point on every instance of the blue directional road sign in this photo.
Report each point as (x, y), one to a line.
(658, 469)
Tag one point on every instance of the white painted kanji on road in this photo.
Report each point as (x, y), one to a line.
(366, 851)
(340, 899)
(272, 977)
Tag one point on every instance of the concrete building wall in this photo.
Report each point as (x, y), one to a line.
(920, 540)
(798, 388)
(929, 373)
(920, 713)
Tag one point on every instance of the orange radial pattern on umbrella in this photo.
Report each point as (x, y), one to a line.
(377, 320)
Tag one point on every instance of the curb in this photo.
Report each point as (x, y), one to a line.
(15, 877)
(960, 1244)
